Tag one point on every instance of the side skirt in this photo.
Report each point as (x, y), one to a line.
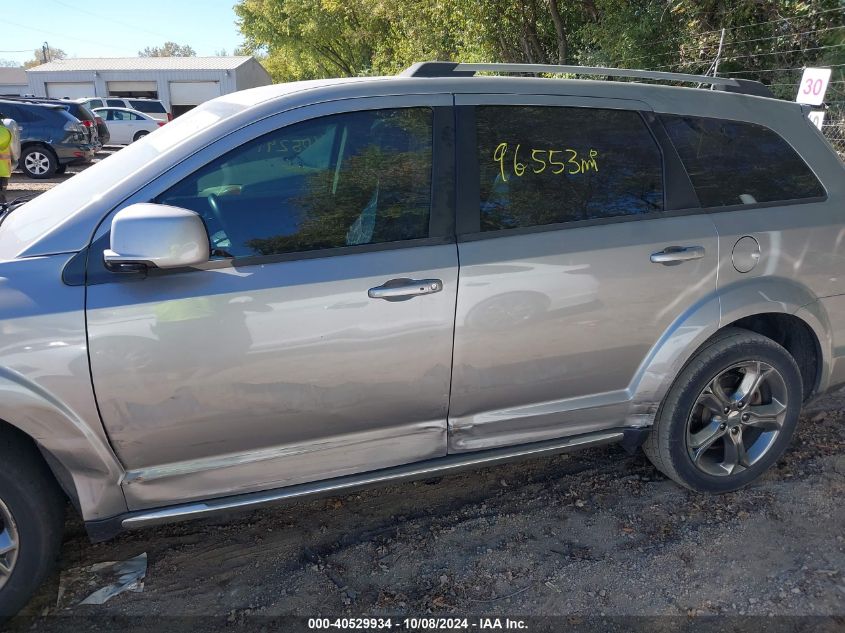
(108, 528)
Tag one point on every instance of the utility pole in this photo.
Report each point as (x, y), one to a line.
(44, 49)
(718, 55)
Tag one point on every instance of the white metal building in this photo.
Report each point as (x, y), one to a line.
(180, 82)
(13, 81)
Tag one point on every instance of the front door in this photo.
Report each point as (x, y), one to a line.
(574, 263)
(317, 342)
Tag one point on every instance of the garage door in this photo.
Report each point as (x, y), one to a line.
(74, 90)
(191, 93)
(118, 87)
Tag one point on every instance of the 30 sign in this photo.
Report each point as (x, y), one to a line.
(813, 86)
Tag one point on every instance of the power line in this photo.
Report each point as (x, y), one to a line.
(108, 19)
(794, 17)
(802, 50)
(745, 26)
(60, 35)
(796, 83)
(707, 47)
(777, 70)
(777, 37)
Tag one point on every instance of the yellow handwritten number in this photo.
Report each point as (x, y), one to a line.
(552, 161)
(518, 168)
(534, 153)
(499, 155)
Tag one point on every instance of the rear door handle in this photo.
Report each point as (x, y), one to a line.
(404, 288)
(677, 254)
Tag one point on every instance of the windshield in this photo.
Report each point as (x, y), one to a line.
(54, 207)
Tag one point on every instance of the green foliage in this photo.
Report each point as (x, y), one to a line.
(169, 49)
(304, 39)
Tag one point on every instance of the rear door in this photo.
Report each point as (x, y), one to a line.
(318, 340)
(580, 244)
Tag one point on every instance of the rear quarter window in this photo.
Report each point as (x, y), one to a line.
(734, 162)
(148, 106)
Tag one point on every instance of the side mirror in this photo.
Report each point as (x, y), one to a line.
(156, 235)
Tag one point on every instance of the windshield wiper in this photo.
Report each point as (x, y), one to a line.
(7, 207)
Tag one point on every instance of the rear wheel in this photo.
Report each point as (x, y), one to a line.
(138, 136)
(729, 415)
(31, 521)
(38, 162)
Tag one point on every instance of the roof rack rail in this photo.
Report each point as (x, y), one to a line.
(457, 69)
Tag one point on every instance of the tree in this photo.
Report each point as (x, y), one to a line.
(169, 49)
(302, 39)
(44, 54)
(8, 63)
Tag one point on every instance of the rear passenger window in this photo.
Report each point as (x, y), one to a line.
(341, 180)
(732, 162)
(544, 165)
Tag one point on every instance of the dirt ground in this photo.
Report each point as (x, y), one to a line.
(591, 533)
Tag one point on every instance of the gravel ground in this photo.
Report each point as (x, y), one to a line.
(587, 533)
(592, 533)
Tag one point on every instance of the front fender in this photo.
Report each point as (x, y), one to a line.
(60, 431)
(727, 305)
(45, 381)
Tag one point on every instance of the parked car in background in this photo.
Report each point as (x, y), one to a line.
(78, 110)
(152, 107)
(51, 137)
(127, 126)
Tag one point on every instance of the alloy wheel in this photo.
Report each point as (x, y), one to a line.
(9, 543)
(37, 163)
(737, 418)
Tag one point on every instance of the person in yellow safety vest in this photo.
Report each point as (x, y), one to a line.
(5, 159)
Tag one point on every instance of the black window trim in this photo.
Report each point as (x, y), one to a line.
(678, 198)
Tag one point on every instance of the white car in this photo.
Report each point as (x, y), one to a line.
(126, 126)
(152, 107)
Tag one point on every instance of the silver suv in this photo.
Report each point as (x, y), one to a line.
(317, 286)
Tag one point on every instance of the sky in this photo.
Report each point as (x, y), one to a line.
(118, 29)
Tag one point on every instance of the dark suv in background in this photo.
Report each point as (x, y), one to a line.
(81, 112)
(51, 137)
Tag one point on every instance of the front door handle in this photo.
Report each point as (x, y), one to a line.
(404, 288)
(677, 254)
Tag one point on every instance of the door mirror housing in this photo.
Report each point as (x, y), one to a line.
(156, 235)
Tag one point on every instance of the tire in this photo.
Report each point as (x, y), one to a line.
(61, 169)
(38, 162)
(30, 497)
(138, 136)
(710, 433)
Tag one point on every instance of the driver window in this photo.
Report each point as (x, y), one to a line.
(341, 180)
